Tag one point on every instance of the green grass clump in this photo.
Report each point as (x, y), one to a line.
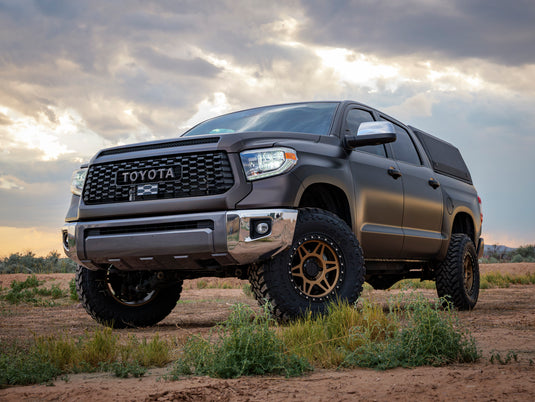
(487, 281)
(50, 356)
(325, 339)
(245, 344)
(411, 332)
(499, 280)
(19, 367)
(30, 292)
(427, 335)
(414, 284)
(73, 293)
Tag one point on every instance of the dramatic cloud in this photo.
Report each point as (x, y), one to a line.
(78, 76)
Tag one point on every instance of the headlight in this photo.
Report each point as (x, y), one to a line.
(261, 163)
(77, 182)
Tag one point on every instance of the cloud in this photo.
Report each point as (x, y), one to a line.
(40, 240)
(78, 76)
(10, 183)
(501, 32)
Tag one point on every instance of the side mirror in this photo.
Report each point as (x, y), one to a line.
(371, 133)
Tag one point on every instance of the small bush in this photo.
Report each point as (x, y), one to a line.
(29, 291)
(125, 369)
(499, 280)
(18, 263)
(517, 258)
(20, 367)
(244, 344)
(324, 339)
(247, 291)
(429, 336)
(73, 293)
(50, 356)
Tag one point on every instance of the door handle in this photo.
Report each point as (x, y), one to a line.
(392, 171)
(434, 183)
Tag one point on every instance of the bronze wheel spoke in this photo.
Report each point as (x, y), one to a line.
(315, 268)
(324, 285)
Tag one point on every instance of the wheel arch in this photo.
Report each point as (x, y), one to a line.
(328, 197)
(464, 223)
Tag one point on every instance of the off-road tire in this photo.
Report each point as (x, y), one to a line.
(323, 265)
(97, 298)
(458, 275)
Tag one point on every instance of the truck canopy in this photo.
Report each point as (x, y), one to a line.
(445, 158)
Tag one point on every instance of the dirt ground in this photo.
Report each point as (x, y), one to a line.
(503, 322)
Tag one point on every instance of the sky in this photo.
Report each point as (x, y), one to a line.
(77, 76)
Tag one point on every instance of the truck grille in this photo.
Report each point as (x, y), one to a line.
(162, 177)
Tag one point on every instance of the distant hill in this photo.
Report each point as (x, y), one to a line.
(497, 250)
(498, 247)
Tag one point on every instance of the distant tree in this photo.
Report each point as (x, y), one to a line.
(30, 263)
(526, 251)
(517, 258)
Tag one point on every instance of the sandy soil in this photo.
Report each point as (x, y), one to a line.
(503, 321)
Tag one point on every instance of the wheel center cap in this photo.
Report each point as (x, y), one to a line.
(311, 268)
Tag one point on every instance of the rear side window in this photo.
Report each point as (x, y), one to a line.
(355, 117)
(353, 120)
(404, 149)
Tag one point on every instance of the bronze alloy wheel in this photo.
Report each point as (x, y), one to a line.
(468, 269)
(324, 264)
(122, 289)
(316, 268)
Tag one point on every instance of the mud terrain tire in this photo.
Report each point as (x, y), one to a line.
(324, 264)
(458, 275)
(108, 307)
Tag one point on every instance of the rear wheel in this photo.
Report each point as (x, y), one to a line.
(458, 275)
(125, 299)
(323, 264)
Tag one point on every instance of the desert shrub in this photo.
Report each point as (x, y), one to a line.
(47, 357)
(244, 344)
(19, 367)
(498, 280)
(246, 289)
(527, 252)
(517, 258)
(29, 291)
(73, 293)
(325, 339)
(30, 263)
(428, 335)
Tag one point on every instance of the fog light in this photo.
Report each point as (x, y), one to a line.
(65, 237)
(262, 228)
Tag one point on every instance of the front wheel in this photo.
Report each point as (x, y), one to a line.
(324, 264)
(458, 275)
(125, 299)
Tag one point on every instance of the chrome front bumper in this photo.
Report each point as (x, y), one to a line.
(189, 241)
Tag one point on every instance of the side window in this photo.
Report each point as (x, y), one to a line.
(353, 120)
(404, 149)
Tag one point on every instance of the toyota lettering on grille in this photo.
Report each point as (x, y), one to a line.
(149, 175)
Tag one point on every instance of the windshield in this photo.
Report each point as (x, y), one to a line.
(313, 118)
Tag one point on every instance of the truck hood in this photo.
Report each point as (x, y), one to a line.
(231, 143)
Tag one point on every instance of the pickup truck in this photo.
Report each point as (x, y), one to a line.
(305, 200)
